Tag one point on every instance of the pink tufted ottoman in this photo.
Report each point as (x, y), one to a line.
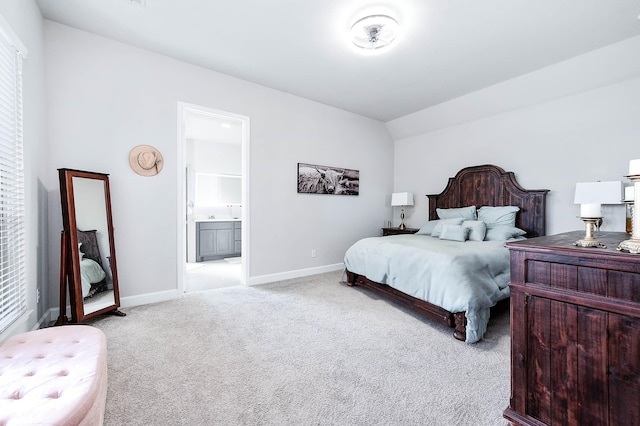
(54, 376)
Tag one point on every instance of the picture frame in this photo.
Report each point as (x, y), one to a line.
(317, 179)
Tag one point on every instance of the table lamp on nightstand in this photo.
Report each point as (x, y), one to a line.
(401, 199)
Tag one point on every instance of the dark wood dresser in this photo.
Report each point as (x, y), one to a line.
(575, 332)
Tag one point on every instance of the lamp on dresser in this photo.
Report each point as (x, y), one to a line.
(591, 196)
(632, 245)
(629, 196)
(401, 199)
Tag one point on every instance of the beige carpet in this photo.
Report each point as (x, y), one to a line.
(310, 351)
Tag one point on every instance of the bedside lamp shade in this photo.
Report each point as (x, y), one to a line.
(402, 199)
(591, 196)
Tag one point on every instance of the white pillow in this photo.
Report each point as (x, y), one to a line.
(427, 229)
(496, 216)
(477, 229)
(466, 213)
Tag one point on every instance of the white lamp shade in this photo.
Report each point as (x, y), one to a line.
(599, 193)
(591, 210)
(402, 199)
(629, 193)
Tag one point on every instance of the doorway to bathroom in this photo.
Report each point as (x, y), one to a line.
(214, 203)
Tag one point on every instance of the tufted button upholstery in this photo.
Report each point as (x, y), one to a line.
(54, 376)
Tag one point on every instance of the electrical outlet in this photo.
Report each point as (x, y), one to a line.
(313, 253)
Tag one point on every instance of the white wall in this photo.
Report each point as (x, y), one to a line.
(106, 97)
(576, 121)
(26, 21)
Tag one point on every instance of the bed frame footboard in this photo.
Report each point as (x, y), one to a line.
(457, 320)
(460, 332)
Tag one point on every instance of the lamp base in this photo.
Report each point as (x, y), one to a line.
(402, 225)
(589, 240)
(589, 243)
(632, 246)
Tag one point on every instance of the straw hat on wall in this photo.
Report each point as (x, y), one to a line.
(145, 160)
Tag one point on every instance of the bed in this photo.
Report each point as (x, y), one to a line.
(92, 274)
(463, 279)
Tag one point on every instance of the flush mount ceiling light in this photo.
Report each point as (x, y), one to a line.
(374, 32)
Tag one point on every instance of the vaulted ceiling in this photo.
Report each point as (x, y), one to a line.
(445, 49)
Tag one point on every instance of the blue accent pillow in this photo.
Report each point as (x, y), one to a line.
(496, 216)
(438, 228)
(503, 232)
(428, 227)
(466, 213)
(454, 233)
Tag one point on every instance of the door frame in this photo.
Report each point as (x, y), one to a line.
(183, 107)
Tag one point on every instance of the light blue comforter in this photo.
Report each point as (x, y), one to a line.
(468, 276)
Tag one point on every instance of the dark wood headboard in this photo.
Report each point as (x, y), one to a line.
(489, 185)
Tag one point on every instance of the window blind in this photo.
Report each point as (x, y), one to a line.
(12, 214)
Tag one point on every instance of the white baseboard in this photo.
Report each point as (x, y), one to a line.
(44, 320)
(264, 279)
(163, 296)
(145, 299)
(54, 313)
(127, 302)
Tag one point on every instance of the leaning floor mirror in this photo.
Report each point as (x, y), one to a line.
(88, 254)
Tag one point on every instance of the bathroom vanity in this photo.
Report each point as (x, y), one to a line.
(218, 238)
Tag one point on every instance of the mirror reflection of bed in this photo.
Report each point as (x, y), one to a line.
(99, 301)
(95, 272)
(93, 237)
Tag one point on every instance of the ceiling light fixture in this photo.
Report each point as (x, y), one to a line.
(374, 31)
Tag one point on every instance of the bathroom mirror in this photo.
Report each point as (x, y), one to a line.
(88, 255)
(218, 189)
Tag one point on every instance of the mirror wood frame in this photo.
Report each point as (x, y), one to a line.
(70, 253)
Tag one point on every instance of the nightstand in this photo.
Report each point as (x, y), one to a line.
(397, 231)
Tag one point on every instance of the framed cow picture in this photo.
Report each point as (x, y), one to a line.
(315, 179)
